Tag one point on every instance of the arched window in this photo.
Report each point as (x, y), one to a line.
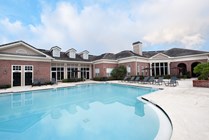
(21, 51)
(182, 69)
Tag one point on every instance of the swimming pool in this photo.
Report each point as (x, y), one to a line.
(83, 112)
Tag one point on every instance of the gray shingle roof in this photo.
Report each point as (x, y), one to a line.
(175, 52)
(64, 56)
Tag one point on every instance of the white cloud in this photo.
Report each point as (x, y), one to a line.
(114, 28)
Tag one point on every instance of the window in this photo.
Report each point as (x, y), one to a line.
(16, 68)
(142, 70)
(159, 68)
(21, 51)
(85, 55)
(108, 71)
(138, 69)
(58, 72)
(28, 68)
(128, 68)
(97, 71)
(72, 54)
(85, 72)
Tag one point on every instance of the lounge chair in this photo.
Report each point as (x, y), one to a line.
(53, 81)
(145, 80)
(137, 79)
(151, 80)
(126, 78)
(36, 83)
(132, 79)
(159, 81)
(173, 82)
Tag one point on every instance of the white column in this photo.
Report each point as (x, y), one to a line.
(79, 69)
(159, 69)
(90, 71)
(154, 69)
(163, 68)
(169, 68)
(65, 71)
(150, 69)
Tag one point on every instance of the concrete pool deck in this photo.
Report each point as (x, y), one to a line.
(187, 106)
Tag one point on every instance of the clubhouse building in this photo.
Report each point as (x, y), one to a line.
(21, 64)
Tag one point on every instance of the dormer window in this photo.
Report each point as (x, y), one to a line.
(85, 55)
(55, 51)
(71, 53)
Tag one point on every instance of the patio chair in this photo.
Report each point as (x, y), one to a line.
(53, 81)
(173, 82)
(132, 79)
(145, 80)
(126, 78)
(36, 83)
(159, 81)
(137, 79)
(151, 80)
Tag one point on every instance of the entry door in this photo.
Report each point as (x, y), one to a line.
(54, 76)
(28, 78)
(16, 79)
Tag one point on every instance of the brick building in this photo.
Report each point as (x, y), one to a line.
(21, 63)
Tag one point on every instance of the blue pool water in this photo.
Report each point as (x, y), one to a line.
(84, 112)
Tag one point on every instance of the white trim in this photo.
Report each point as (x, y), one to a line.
(24, 44)
(70, 61)
(105, 61)
(24, 58)
(199, 57)
(159, 54)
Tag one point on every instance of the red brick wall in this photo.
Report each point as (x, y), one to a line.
(146, 72)
(133, 66)
(41, 70)
(201, 83)
(188, 65)
(102, 68)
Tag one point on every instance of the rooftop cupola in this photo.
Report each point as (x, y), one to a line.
(55, 51)
(71, 53)
(137, 47)
(85, 54)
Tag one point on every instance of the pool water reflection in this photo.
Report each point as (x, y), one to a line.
(84, 112)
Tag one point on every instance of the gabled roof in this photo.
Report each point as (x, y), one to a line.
(24, 44)
(149, 54)
(126, 53)
(105, 56)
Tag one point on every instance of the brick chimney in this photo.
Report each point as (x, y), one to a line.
(137, 47)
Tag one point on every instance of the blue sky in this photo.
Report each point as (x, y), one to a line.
(101, 26)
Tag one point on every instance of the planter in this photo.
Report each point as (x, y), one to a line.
(201, 83)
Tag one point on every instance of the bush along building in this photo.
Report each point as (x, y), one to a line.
(21, 63)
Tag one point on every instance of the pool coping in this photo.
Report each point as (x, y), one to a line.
(160, 135)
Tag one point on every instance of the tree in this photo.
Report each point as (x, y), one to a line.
(203, 70)
(119, 72)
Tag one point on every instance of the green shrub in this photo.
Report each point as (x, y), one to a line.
(5, 86)
(203, 70)
(72, 80)
(103, 78)
(167, 76)
(119, 72)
